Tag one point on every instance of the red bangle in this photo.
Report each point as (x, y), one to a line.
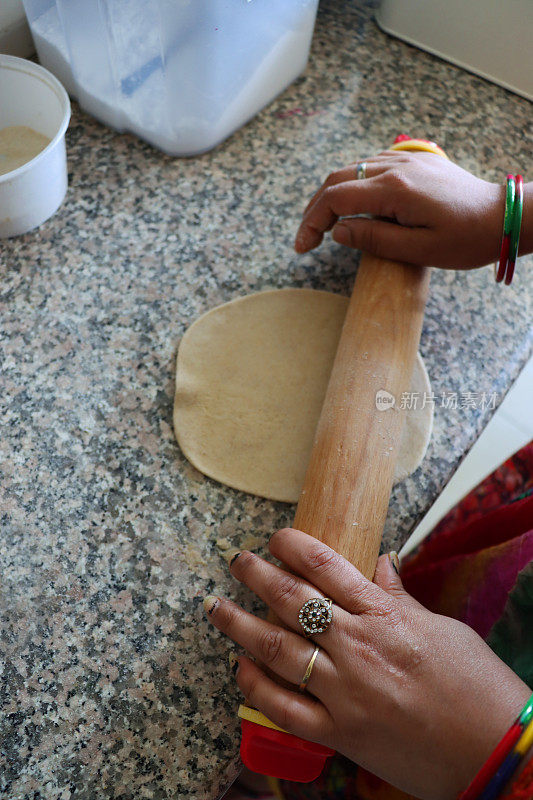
(509, 272)
(504, 256)
(493, 763)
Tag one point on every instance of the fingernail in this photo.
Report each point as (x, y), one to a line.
(341, 234)
(210, 603)
(233, 663)
(232, 555)
(395, 561)
(300, 240)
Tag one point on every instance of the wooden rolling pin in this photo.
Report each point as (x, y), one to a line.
(348, 482)
(347, 487)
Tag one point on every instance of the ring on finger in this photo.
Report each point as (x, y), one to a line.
(360, 171)
(305, 680)
(315, 615)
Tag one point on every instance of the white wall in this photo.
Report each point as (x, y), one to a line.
(15, 37)
(11, 12)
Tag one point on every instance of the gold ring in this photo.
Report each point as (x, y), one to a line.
(360, 171)
(305, 680)
(315, 615)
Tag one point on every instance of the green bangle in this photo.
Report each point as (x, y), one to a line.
(500, 267)
(516, 221)
(527, 713)
(509, 205)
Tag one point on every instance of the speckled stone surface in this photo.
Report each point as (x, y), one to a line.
(113, 684)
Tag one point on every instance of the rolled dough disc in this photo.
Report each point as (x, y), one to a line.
(251, 377)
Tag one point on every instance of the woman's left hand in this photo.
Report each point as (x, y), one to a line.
(417, 698)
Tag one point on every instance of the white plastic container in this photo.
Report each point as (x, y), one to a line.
(31, 96)
(182, 74)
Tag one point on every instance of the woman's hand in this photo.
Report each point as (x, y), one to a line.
(430, 211)
(416, 698)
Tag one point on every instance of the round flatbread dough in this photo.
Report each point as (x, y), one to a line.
(250, 382)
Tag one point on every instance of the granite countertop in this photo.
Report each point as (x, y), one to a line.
(114, 685)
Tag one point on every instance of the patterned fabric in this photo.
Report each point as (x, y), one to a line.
(522, 788)
(511, 637)
(476, 566)
(468, 572)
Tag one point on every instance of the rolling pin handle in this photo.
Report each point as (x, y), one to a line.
(280, 754)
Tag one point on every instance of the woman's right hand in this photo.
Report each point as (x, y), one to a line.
(414, 697)
(427, 211)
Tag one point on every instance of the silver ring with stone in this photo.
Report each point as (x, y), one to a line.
(315, 615)
(360, 171)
